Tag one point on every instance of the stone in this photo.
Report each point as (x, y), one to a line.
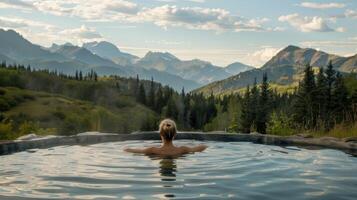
(28, 137)
(305, 135)
(350, 139)
(33, 141)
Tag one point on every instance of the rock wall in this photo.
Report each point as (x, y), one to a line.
(24, 143)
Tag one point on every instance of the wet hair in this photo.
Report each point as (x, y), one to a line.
(168, 129)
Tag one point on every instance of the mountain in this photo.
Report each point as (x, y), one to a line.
(293, 55)
(110, 51)
(68, 59)
(195, 70)
(84, 55)
(14, 46)
(237, 67)
(286, 67)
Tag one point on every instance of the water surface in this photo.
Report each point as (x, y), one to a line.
(233, 170)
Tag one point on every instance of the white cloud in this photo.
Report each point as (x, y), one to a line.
(308, 24)
(171, 1)
(82, 34)
(199, 18)
(322, 5)
(14, 22)
(164, 16)
(351, 14)
(262, 55)
(350, 42)
(44, 34)
(95, 10)
(19, 4)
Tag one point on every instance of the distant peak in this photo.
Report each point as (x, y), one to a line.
(104, 45)
(291, 48)
(68, 44)
(163, 55)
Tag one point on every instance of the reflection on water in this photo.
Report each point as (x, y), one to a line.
(167, 171)
(224, 171)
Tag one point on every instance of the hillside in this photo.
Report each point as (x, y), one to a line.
(61, 105)
(285, 68)
(48, 102)
(237, 67)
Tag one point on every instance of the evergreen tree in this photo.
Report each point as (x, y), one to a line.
(340, 99)
(263, 106)
(304, 106)
(254, 98)
(330, 79)
(80, 77)
(245, 117)
(211, 110)
(151, 97)
(159, 100)
(95, 77)
(321, 97)
(172, 111)
(141, 96)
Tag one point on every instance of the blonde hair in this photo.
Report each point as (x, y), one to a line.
(168, 129)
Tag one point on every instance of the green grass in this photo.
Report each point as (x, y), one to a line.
(339, 131)
(45, 113)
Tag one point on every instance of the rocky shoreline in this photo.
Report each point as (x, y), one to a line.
(348, 145)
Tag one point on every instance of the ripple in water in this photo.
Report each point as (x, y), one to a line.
(233, 170)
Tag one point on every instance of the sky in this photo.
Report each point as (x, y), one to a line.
(218, 31)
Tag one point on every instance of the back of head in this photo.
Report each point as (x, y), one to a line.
(168, 129)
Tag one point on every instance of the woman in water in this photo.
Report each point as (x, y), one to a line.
(168, 132)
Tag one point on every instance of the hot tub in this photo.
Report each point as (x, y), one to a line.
(236, 170)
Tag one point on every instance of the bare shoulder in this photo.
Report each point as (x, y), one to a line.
(198, 148)
(148, 150)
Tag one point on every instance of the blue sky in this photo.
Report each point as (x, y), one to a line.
(219, 31)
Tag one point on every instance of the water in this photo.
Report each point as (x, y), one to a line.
(225, 170)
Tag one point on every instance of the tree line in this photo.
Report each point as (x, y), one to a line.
(320, 102)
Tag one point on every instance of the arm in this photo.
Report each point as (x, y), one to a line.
(198, 148)
(144, 151)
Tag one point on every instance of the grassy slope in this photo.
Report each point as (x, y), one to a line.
(53, 113)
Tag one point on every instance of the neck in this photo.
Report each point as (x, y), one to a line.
(167, 143)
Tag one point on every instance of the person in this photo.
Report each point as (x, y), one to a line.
(168, 131)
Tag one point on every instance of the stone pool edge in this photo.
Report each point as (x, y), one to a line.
(95, 137)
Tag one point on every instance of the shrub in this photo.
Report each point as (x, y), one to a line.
(6, 131)
(28, 127)
(280, 124)
(4, 105)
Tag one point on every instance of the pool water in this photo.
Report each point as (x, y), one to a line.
(235, 170)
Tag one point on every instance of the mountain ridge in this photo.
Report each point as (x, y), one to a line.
(284, 68)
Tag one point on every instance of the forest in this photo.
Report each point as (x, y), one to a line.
(50, 102)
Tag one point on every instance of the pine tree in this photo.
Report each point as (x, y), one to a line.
(159, 100)
(263, 106)
(172, 111)
(304, 106)
(321, 97)
(254, 98)
(141, 96)
(340, 99)
(95, 77)
(245, 118)
(151, 97)
(137, 85)
(330, 79)
(80, 76)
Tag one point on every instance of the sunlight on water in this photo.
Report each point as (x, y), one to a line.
(224, 170)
